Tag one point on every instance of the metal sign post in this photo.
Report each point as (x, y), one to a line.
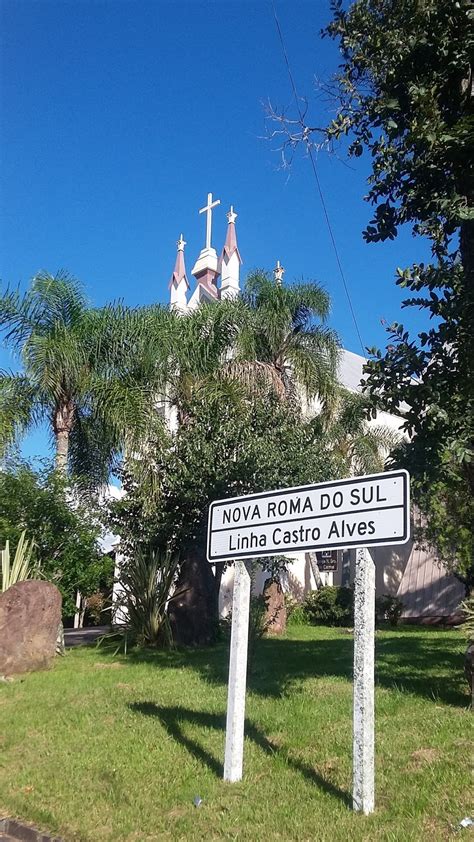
(364, 640)
(234, 735)
(361, 512)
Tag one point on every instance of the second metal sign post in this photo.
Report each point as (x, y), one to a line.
(370, 511)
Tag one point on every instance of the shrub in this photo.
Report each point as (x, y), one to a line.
(66, 548)
(330, 606)
(388, 608)
(295, 613)
(146, 581)
(467, 627)
(96, 606)
(258, 623)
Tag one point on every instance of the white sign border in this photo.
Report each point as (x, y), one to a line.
(353, 544)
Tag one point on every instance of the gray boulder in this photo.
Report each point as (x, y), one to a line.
(30, 615)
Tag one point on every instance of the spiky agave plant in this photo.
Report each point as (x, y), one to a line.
(467, 629)
(146, 582)
(21, 568)
(468, 610)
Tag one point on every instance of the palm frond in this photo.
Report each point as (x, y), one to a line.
(313, 357)
(257, 377)
(94, 450)
(16, 317)
(307, 301)
(56, 299)
(56, 363)
(284, 329)
(19, 408)
(51, 301)
(125, 339)
(364, 447)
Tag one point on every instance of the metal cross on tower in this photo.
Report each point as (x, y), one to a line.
(208, 210)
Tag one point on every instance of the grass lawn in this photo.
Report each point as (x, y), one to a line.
(103, 748)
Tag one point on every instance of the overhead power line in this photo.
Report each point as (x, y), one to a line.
(318, 183)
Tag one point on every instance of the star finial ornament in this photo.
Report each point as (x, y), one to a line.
(278, 273)
(231, 215)
(181, 243)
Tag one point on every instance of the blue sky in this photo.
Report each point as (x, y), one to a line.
(117, 119)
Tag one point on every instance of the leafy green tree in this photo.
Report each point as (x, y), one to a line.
(64, 529)
(223, 357)
(223, 451)
(404, 94)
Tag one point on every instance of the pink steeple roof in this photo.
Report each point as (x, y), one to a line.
(179, 272)
(230, 245)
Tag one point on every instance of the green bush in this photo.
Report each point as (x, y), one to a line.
(330, 606)
(65, 528)
(96, 606)
(295, 614)
(388, 608)
(258, 622)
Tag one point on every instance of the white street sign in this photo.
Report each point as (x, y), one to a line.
(369, 511)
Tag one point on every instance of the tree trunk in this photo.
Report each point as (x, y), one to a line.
(194, 614)
(315, 569)
(63, 420)
(62, 448)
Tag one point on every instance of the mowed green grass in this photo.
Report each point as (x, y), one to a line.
(105, 748)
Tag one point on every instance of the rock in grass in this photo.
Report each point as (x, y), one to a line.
(275, 608)
(30, 614)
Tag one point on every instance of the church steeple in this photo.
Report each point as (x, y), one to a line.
(179, 283)
(230, 260)
(205, 270)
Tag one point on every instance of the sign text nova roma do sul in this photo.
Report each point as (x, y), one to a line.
(361, 511)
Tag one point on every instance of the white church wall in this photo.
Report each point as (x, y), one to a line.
(297, 580)
(119, 612)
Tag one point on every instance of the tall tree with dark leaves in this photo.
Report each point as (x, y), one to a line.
(404, 93)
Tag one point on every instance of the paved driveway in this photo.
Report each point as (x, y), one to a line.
(82, 637)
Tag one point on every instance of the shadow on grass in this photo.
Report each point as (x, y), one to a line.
(172, 717)
(426, 664)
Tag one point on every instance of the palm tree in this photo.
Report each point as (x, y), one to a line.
(282, 338)
(362, 447)
(199, 344)
(83, 371)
